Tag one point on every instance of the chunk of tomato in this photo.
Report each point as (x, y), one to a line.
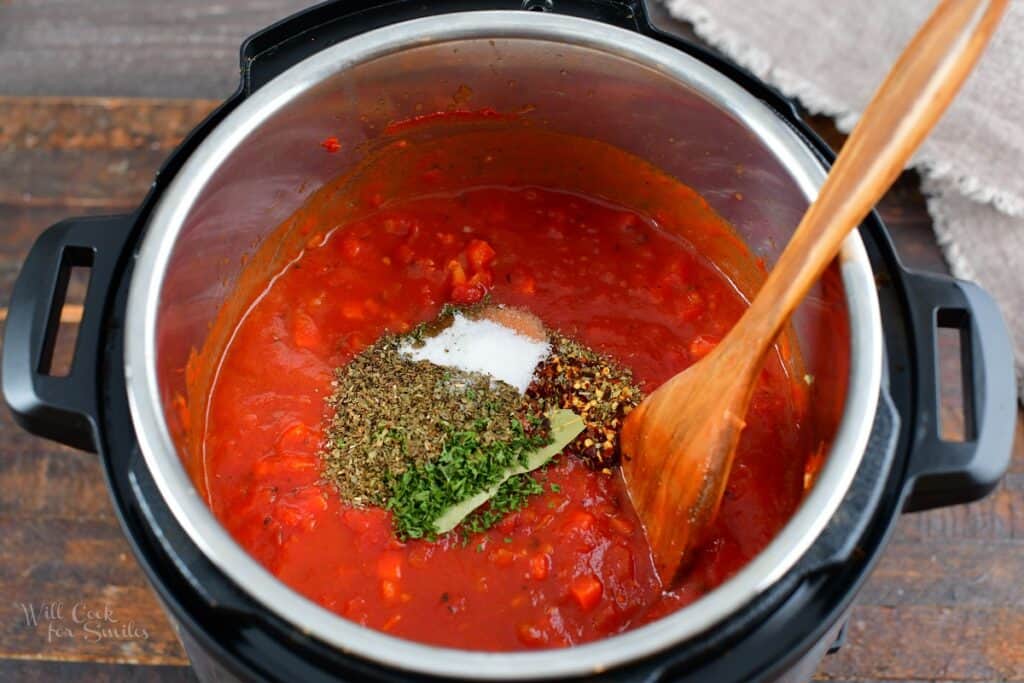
(479, 254)
(586, 590)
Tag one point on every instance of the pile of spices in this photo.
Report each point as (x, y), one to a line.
(594, 387)
(392, 414)
(442, 426)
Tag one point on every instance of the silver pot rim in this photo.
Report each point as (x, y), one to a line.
(203, 528)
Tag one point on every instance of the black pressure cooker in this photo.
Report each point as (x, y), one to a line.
(161, 274)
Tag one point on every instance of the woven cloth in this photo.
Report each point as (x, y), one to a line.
(832, 55)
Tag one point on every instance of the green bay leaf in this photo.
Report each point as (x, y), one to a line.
(565, 426)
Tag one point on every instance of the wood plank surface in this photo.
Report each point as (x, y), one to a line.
(28, 671)
(87, 112)
(129, 48)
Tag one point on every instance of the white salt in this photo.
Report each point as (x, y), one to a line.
(483, 346)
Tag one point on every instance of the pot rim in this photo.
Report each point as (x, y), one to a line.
(198, 521)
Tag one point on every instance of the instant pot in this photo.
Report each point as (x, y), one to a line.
(595, 68)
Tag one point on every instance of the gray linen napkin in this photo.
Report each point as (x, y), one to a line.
(832, 55)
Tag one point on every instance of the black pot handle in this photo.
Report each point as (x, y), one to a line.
(946, 472)
(63, 409)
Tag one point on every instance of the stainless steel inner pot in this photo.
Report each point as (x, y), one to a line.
(581, 77)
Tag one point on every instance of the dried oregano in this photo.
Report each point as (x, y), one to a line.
(391, 414)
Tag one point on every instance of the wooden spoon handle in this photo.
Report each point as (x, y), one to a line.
(904, 109)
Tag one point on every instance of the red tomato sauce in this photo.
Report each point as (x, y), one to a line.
(571, 567)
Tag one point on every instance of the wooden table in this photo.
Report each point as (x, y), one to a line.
(86, 115)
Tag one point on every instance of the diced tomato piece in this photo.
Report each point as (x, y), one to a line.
(419, 554)
(587, 591)
(608, 620)
(355, 609)
(192, 367)
(331, 144)
(508, 522)
(456, 273)
(482, 279)
(181, 408)
(531, 635)
(391, 622)
(289, 516)
(502, 557)
(389, 566)
(311, 499)
(352, 310)
(691, 306)
(351, 246)
(388, 589)
(702, 345)
(618, 562)
(357, 520)
(539, 566)
(367, 521)
(276, 465)
(297, 437)
(620, 526)
(315, 240)
(468, 294)
(301, 509)
(479, 254)
(404, 254)
(305, 333)
(396, 226)
(425, 264)
(580, 519)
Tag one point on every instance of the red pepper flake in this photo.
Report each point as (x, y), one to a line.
(331, 144)
(594, 387)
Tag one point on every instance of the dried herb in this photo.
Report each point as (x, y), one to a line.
(392, 414)
(565, 426)
(468, 465)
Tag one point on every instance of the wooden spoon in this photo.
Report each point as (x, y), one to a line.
(678, 444)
